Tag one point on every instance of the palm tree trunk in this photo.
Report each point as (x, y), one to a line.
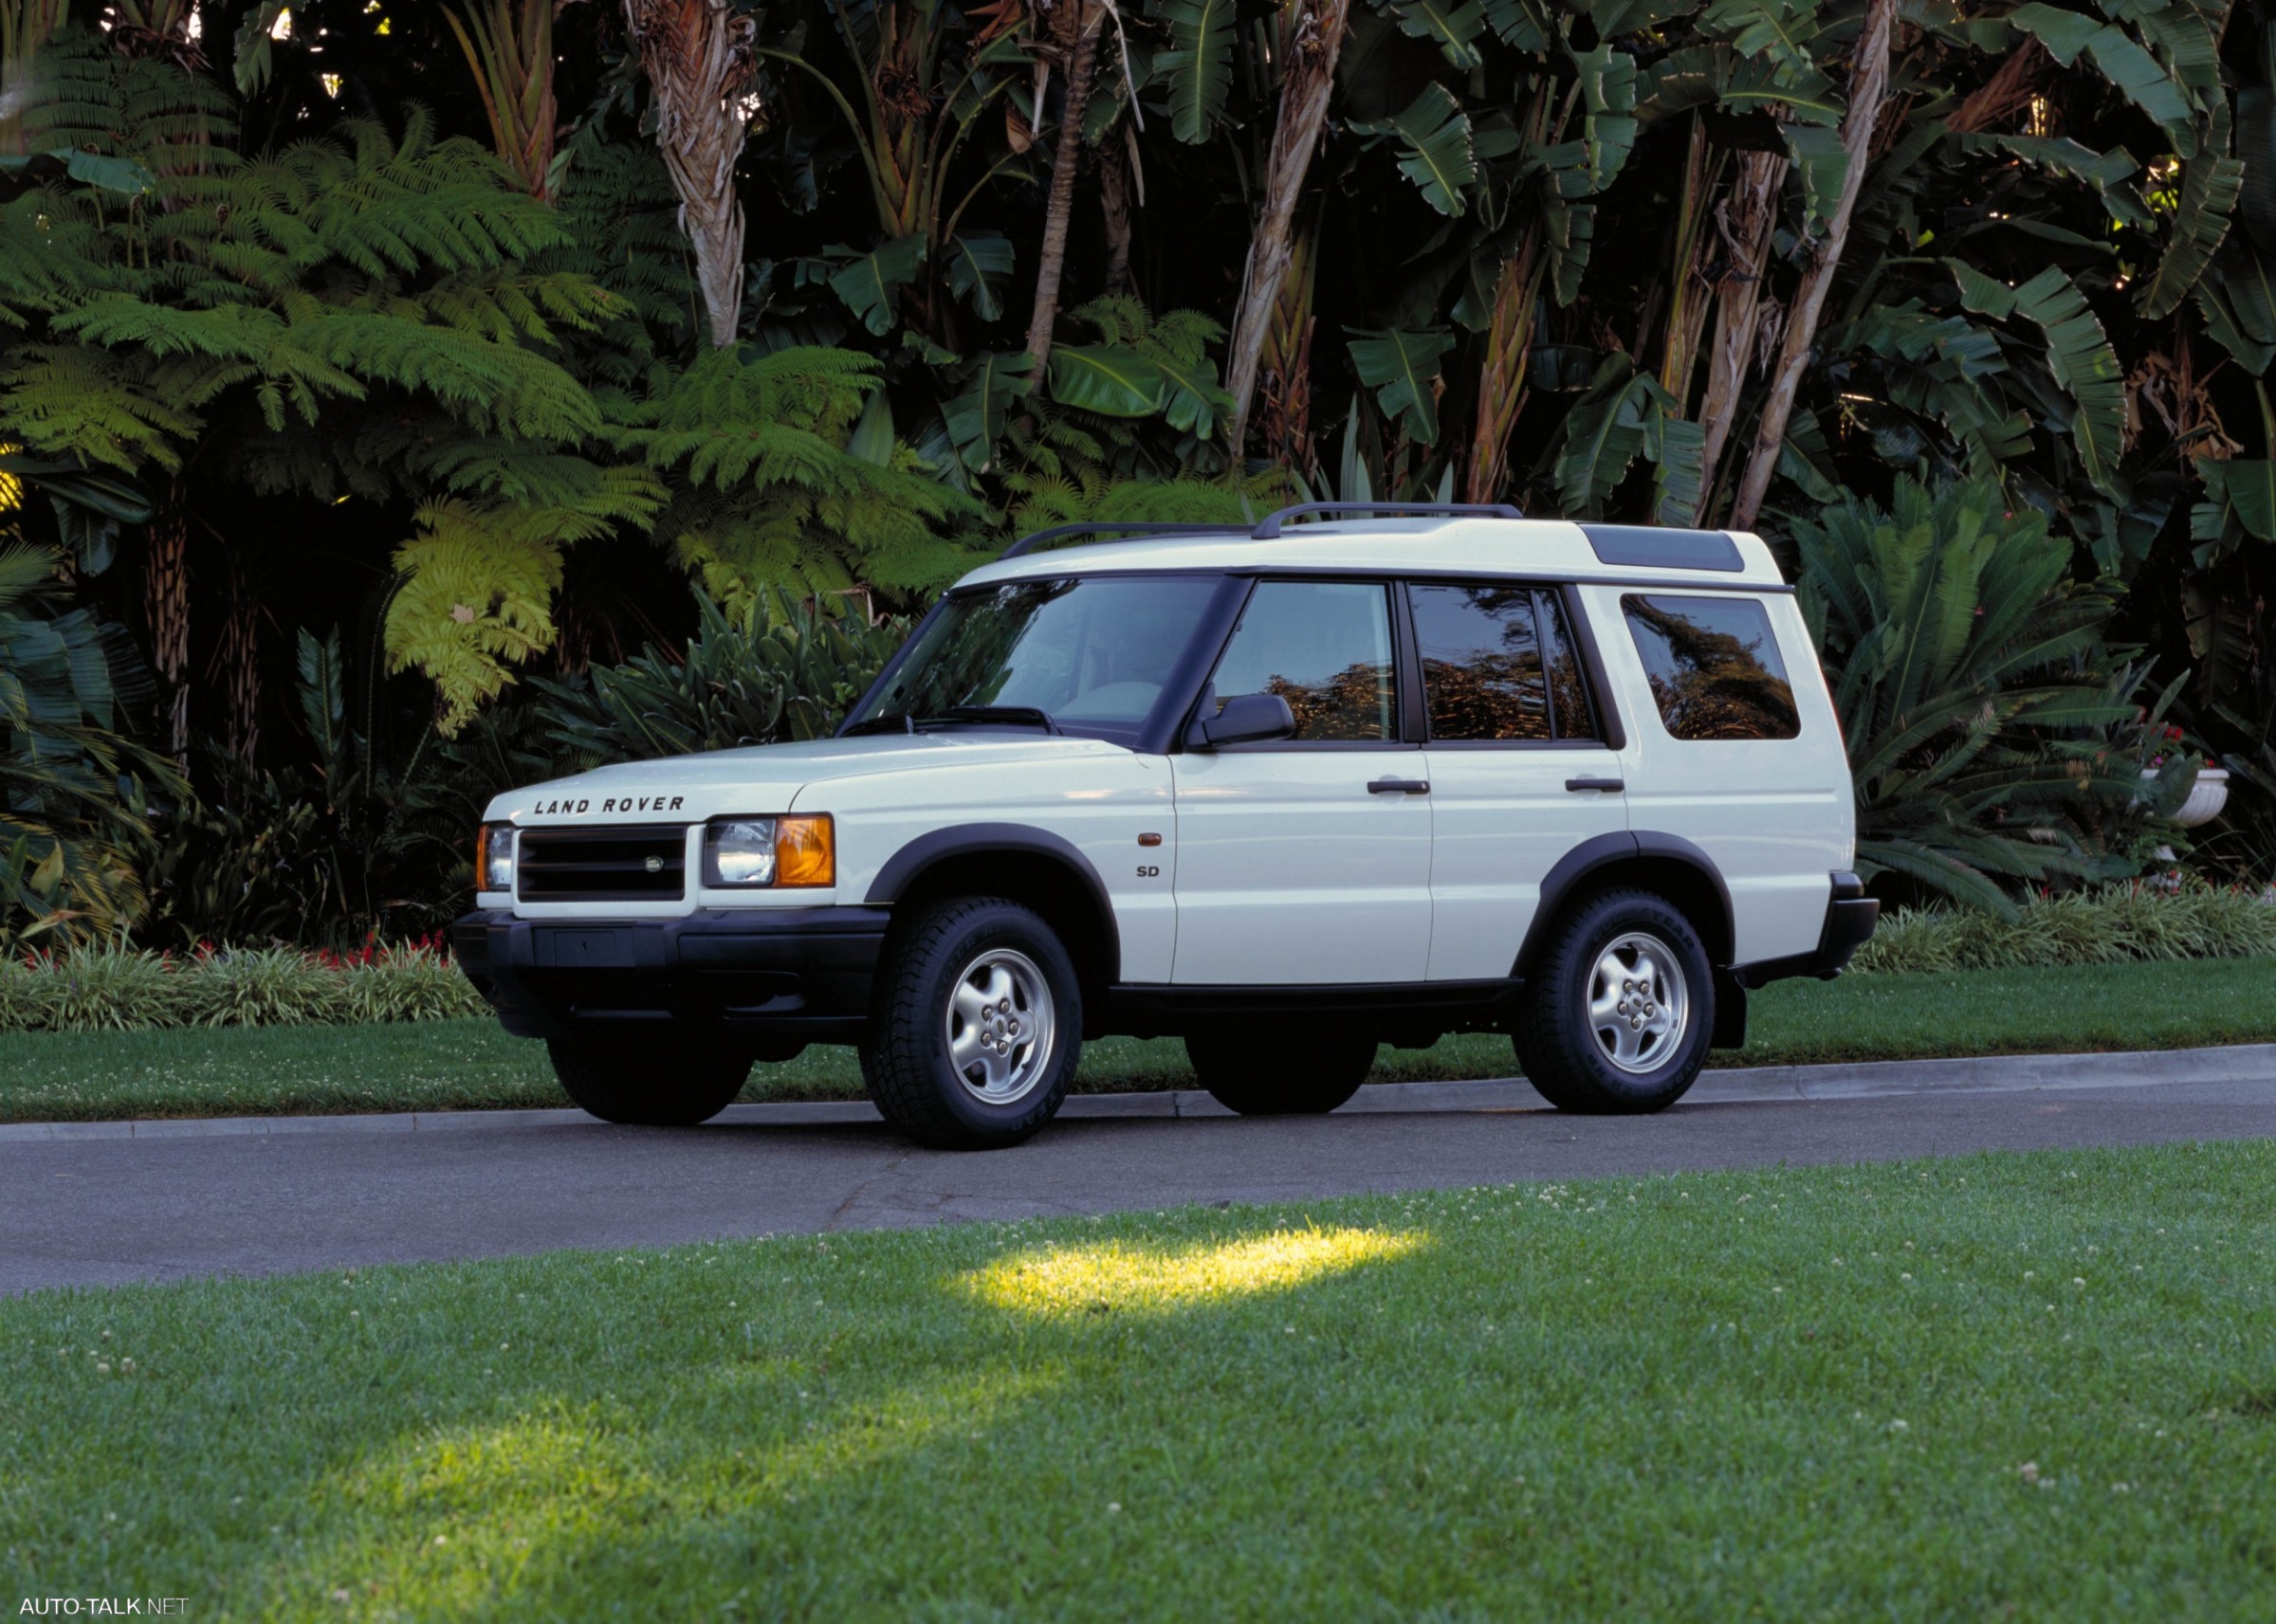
(1088, 22)
(166, 604)
(1501, 372)
(1694, 251)
(1284, 373)
(1117, 181)
(1868, 90)
(697, 55)
(1750, 217)
(1314, 38)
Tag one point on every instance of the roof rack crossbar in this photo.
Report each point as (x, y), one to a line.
(1027, 544)
(1270, 529)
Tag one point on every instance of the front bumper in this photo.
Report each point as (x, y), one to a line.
(1850, 916)
(781, 976)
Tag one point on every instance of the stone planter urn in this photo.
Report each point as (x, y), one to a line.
(2206, 796)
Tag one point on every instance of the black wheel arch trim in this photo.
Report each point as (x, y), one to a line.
(1599, 853)
(927, 851)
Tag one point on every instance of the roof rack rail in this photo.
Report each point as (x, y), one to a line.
(1027, 544)
(1270, 529)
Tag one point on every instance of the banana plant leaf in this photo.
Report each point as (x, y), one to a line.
(975, 416)
(2122, 59)
(1198, 66)
(1401, 365)
(1607, 79)
(1108, 379)
(2110, 173)
(867, 282)
(1454, 28)
(980, 262)
(2241, 490)
(1717, 76)
(2211, 185)
(2238, 301)
(1434, 136)
(1779, 31)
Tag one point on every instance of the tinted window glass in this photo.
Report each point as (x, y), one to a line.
(1497, 663)
(1714, 667)
(1481, 662)
(1568, 689)
(1325, 647)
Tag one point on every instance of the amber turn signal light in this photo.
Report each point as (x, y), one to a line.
(805, 851)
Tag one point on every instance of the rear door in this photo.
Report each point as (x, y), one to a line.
(1524, 761)
(1306, 862)
(1729, 757)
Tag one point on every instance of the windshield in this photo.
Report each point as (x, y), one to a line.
(1085, 654)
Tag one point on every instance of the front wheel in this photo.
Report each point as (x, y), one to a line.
(1270, 1072)
(1618, 1009)
(977, 1026)
(634, 1078)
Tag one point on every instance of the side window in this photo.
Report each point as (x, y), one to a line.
(1481, 662)
(1714, 667)
(1568, 689)
(1498, 664)
(1325, 647)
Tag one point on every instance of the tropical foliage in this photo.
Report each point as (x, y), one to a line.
(453, 340)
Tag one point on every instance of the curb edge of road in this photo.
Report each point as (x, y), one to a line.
(2004, 1073)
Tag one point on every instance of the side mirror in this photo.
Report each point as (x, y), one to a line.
(1246, 719)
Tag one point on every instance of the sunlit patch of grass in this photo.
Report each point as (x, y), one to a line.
(1126, 1274)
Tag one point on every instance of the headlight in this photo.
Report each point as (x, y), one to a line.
(740, 852)
(785, 852)
(494, 857)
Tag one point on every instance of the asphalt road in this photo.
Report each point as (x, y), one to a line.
(101, 1204)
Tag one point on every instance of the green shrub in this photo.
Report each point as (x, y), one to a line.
(1972, 676)
(2110, 926)
(419, 984)
(105, 988)
(778, 670)
(20, 996)
(114, 988)
(260, 987)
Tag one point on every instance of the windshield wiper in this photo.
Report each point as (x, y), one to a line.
(891, 722)
(1018, 714)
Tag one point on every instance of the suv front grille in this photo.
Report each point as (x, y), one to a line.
(639, 863)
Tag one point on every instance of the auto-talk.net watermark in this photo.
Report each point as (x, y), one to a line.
(103, 1606)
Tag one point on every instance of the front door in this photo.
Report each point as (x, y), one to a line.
(1306, 862)
(1519, 770)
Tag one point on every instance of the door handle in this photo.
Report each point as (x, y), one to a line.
(1400, 787)
(1613, 785)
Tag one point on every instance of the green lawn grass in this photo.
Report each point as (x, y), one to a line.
(465, 1065)
(2031, 1386)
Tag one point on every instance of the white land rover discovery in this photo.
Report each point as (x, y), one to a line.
(1286, 793)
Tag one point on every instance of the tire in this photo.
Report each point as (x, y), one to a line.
(634, 1078)
(951, 1068)
(1279, 1071)
(1647, 1048)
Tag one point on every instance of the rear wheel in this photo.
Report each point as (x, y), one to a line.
(977, 1026)
(649, 1080)
(1268, 1072)
(1618, 1009)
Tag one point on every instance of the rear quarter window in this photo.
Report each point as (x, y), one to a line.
(1714, 667)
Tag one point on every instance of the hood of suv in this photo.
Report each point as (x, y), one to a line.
(766, 777)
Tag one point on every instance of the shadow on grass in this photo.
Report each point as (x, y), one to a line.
(799, 1454)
